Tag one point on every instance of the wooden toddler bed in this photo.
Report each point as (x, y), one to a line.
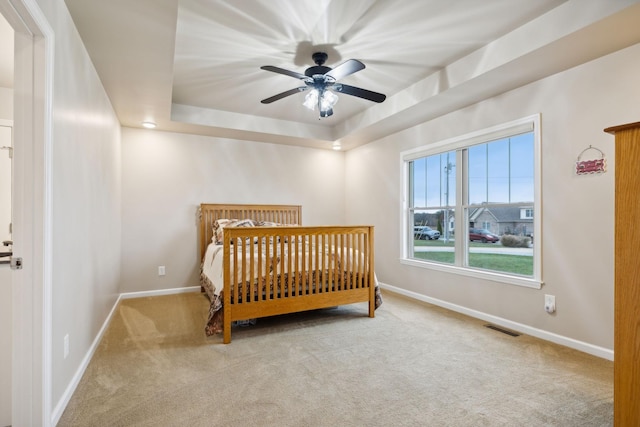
(258, 261)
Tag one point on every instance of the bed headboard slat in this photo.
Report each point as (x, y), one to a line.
(209, 212)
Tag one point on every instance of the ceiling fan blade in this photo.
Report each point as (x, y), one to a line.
(360, 93)
(283, 71)
(284, 94)
(346, 68)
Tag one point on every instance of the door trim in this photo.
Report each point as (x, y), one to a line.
(5, 272)
(32, 218)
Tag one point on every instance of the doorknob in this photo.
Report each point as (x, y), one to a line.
(16, 263)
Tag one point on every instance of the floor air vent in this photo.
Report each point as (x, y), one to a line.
(504, 331)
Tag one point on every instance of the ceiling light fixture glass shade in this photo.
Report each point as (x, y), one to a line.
(324, 101)
(311, 100)
(328, 100)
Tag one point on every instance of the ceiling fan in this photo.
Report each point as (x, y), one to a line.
(323, 82)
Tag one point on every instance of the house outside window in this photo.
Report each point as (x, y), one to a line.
(480, 192)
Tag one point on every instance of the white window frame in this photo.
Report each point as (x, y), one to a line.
(525, 124)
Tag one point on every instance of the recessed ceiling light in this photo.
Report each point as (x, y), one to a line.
(337, 146)
(149, 125)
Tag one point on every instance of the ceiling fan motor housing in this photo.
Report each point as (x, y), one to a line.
(319, 58)
(318, 69)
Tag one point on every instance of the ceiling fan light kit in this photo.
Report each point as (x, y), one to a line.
(324, 100)
(322, 82)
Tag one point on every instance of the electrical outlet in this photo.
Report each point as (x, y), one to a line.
(549, 303)
(161, 271)
(66, 346)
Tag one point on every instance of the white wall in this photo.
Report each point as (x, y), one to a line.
(86, 200)
(165, 177)
(577, 211)
(6, 103)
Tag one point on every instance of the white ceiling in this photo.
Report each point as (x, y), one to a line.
(194, 65)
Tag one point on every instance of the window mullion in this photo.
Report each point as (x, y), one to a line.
(509, 169)
(462, 195)
(486, 184)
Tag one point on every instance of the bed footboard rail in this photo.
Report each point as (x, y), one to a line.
(277, 270)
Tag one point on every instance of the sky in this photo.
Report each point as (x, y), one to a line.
(500, 171)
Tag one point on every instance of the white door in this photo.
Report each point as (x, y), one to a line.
(5, 276)
(31, 215)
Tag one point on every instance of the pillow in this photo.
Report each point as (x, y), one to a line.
(273, 224)
(220, 224)
(276, 224)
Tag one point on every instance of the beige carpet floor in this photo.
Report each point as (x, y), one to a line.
(412, 365)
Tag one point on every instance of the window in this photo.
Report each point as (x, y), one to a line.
(526, 213)
(477, 195)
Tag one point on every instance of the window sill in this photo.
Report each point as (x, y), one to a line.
(478, 274)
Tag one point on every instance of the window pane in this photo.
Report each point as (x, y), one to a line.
(448, 164)
(499, 240)
(433, 184)
(433, 180)
(433, 188)
(433, 233)
(417, 180)
(498, 171)
(522, 168)
(502, 171)
(478, 174)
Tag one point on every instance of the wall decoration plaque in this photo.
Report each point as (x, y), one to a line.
(592, 165)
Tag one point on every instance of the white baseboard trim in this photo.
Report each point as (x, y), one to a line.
(594, 350)
(141, 294)
(71, 388)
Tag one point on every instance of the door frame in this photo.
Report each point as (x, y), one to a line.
(31, 216)
(5, 273)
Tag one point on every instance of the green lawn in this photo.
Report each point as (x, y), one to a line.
(441, 243)
(516, 264)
